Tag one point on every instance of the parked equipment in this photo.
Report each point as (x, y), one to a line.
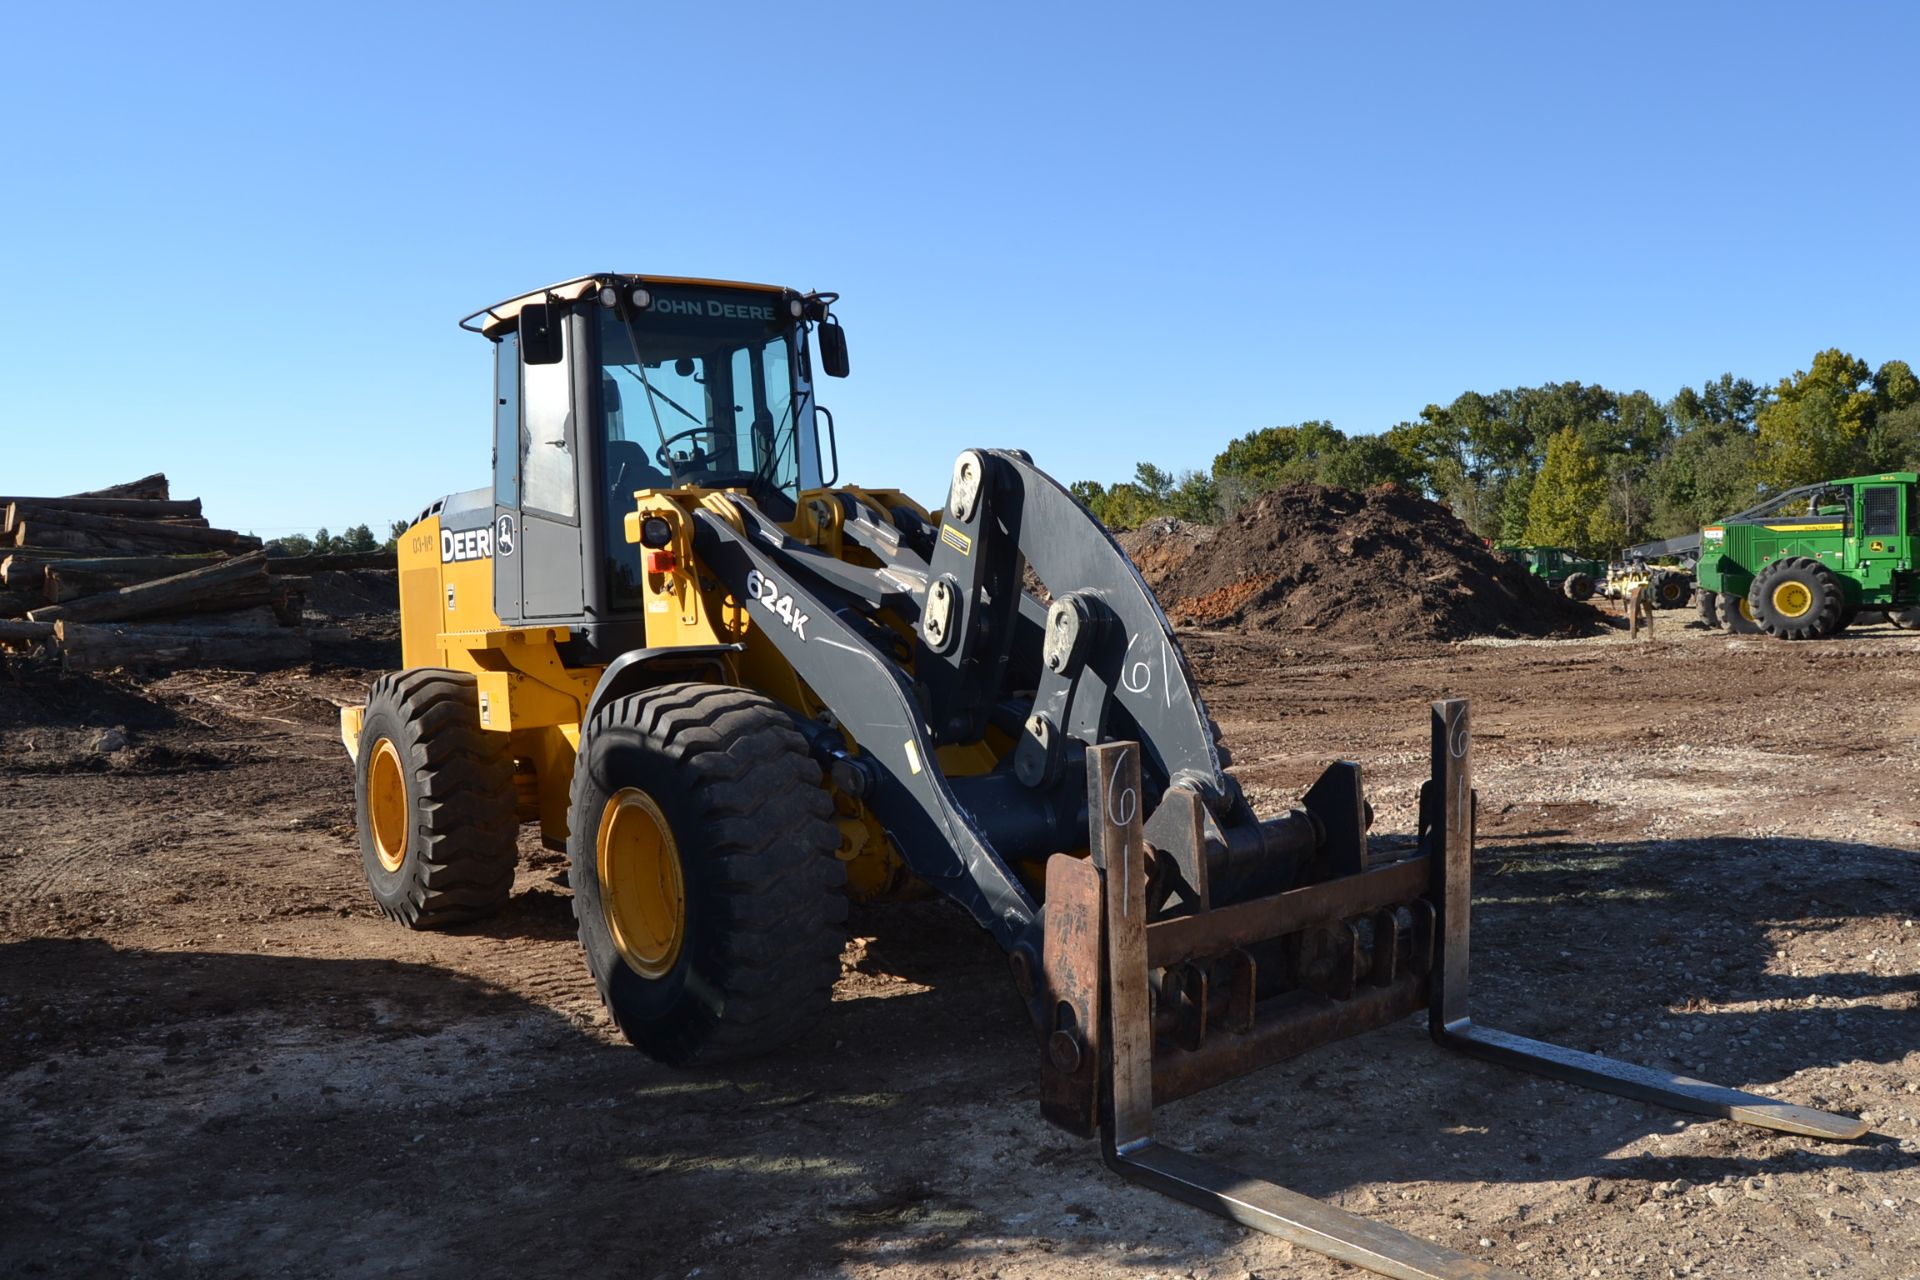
(1805, 564)
(738, 693)
(1667, 586)
(1563, 570)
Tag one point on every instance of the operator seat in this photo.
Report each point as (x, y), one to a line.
(628, 468)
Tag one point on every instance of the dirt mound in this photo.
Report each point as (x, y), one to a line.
(1383, 565)
(1159, 547)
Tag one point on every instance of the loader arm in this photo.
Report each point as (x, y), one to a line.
(1099, 662)
(889, 763)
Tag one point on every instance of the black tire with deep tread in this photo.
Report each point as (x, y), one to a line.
(1905, 619)
(1708, 603)
(1671, 590)
(1577, 586)
(463, 824)
(765, 893)
(1733, 620)
(1822, 618)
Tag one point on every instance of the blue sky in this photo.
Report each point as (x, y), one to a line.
(237, 238)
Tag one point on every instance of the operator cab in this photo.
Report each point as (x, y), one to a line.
(610, 385)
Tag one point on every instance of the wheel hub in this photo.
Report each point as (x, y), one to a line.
(387, 804)
(641, 889)
(1792, 600)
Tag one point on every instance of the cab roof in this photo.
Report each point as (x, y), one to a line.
(501, 317)
(1883, 477)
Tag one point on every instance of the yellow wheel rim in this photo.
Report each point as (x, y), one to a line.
(1746, 608)
(387, 804)
(1792, 600)
(641, 891)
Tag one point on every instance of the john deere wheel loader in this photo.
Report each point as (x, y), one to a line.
(739, 693)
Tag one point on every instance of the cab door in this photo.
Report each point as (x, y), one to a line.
(1874, 551)
(506, 478)
(539, 573)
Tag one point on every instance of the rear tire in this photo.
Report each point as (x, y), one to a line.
(705, 883)
(433, 792)
(1905, 619)
(1578, 586)
(1671, 590)
(1708, 603)
(1797, 599)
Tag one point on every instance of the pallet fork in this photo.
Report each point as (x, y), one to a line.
(1378, 944)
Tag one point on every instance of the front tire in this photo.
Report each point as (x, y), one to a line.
(1708, 603)
(705, 883)
(1578, 586)
(1797, 599)
(1736, 612)
(434, 797)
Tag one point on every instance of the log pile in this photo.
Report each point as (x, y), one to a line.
(131, 577)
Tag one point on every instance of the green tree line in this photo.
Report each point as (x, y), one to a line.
(1569, 464)
(355, 539)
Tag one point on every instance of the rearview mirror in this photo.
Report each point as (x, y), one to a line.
(540, 334)
(833, 348)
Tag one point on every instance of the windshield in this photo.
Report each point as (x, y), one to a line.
(713, 397)
(709, 397)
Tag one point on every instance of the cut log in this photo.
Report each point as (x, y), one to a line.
(94, 648)
(26, 570)
(118, 564)
(237, 622)
(29, 521)
(15, 603)
(349, 560)
(227, 584)
(74, 543)
(24, 633)
(23, 573)
(130, 508)
(71, 579)
(69, 540)
(151, 487)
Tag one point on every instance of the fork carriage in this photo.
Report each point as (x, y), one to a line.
(1148, 1007)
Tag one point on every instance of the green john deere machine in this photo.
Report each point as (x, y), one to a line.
(1563, 570)
(1806, 563)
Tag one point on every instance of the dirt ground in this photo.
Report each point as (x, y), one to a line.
(1696, 852)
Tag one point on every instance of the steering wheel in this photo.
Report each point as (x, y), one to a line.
(666, 459)
(709, 477)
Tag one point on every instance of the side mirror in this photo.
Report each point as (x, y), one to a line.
(833, 348)
(540, 334)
